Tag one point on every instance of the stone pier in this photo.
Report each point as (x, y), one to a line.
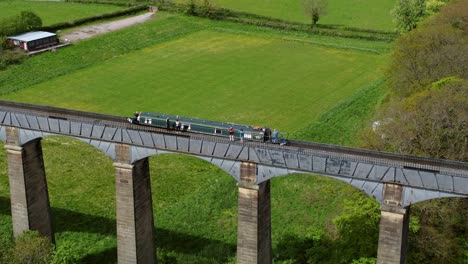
(30, 206)
(135, 227)
(254, 218)
(394, 223)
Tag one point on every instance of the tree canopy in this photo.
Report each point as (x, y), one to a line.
(427, 115)
(315, 9)
(25, 21)
(436, 50)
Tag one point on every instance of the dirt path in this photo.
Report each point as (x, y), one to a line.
(98, 29)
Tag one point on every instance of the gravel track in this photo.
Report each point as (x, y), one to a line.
(99, 29)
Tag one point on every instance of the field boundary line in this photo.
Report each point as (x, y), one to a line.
(325, 44)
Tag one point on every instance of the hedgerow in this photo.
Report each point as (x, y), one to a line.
(82, 21)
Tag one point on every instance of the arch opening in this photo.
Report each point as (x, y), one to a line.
(195, 209)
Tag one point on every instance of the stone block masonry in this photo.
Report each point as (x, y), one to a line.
(254, 218)
(135, 227)
(30, 206)
(394, 223)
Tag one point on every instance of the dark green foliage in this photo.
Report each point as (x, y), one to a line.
(29, 21)
(443, 233)
(25, 21)
(427, 116)
(359, 226)
(191, 8)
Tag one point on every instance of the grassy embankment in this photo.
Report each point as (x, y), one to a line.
(366, 14)
(52, 13)
(200, 68)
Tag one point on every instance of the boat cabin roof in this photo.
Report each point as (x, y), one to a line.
(189, 120)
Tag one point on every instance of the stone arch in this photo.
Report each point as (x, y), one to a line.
(416, 195)
(232, 167)
(25, 136)
(94, 172)
(372, 188)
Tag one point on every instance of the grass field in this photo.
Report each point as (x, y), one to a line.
(366, 14)
(210, 74)
(207, 69)
(54, 12)
(192, 223)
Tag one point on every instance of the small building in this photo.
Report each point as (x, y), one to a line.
(33, 40)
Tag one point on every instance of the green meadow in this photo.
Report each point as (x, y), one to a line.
(207, 69)
(54, 12)
(367, 14)
(214, 74)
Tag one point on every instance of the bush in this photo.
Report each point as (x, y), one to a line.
(10, 57)
(30, 248)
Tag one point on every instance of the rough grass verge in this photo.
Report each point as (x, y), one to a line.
(340, 124)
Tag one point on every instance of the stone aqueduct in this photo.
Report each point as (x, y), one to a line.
(396, 181)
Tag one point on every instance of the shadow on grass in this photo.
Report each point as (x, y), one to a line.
(168, 240)
(5, 208)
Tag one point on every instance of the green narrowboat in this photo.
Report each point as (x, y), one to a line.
(198, 125)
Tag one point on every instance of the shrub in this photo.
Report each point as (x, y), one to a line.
(10, 57)
(30, 248)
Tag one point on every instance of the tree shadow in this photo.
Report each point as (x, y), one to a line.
(170, 240)
(5, 207)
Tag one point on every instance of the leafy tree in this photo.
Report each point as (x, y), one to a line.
(442, 232)
(432, 123)
(28, 21)
(428, 115)
(436, 50)
(359, 226)
(408, 13)
(434, 6)
(208, 8)
(315, 9)
(453, 14)
(191, 8)
(25, 21)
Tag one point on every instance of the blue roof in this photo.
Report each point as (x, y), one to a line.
(29, 36)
